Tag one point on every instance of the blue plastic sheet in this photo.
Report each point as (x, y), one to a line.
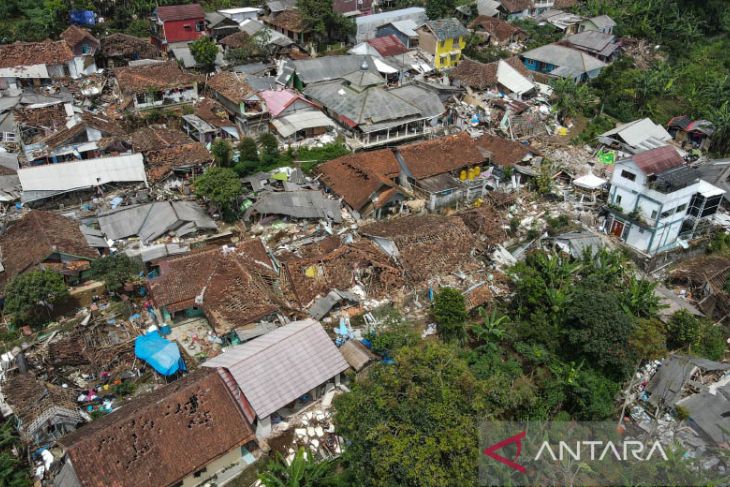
(163, 355)
(82, 17)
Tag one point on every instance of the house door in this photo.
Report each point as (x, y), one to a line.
(617, 229)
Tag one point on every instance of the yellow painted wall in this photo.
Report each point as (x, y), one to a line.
(446, 47)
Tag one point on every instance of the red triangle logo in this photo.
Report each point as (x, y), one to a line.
(517, 439)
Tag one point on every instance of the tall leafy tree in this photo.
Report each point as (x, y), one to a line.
(220, 186)
(204, 51)
(449, 311)
(116, 269)
(31, 296)
(420, 425)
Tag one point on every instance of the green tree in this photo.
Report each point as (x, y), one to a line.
(303, 471)
(320, 18)
(598, 329)
(222, 152)
(683, 330)
(571, 99)
(449, 312)
(29, 297)
(437, 9)
(12, 472)
(204, 51)
(220, 186)
(420, 426)
(116, 269)
(248, 157)
(269, 148)
(649, 339)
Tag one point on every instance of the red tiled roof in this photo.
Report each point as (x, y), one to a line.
(516, 5)
(388, 45)
(503, 152)
(290, 20)
(180, 12)
(161, 437)
(356, 177)
(32, 239)
(231, 85)
(30, 53)
(139, 79)
(73, 35)
(232, 286)
(160, 163)
(658, 160)
(500, 29)
(442, 155)
(481, 76)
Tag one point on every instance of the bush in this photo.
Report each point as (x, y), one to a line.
(683, 330)
(220, 186)
(222, 152)
(269, 148)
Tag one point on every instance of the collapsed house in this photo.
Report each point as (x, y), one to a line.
(44, 240)
(182, 433)
(155, 84)
(45, 412)
(277, 369)
(232, 287)
(425, 246)
(50, 180)
(637, 136)
(151, 221)
(119, 49)
(506, 75)
(296, 204)
(22, 64)
(706, 278)
(319, 268)
(240, 99)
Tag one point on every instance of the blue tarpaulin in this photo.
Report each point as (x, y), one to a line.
(161, 354)
(82, 17)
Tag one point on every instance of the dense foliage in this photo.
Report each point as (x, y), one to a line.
(204, 51)
(30, 296)
(220, 186)
(116, 269)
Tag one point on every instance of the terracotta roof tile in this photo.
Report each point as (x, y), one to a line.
(234, 285)
(88, 120)
(658, 160)
(161, 162)
(160, 437)
(442, 155)
(231, 85)
(130, 47)
(516, 5)
(236, 40)
(51, 118)
(503, 152)
(153, 138)
(73, 35)
(167, 75)
(30, 240)
(30, 53)
(500, 29)
(356, 177)
(290, 20)
(180, 12)
(481, 76)
(213, 113)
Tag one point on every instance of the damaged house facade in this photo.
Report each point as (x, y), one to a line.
(157, 84)
(240, 100)
(32, 64)
(655, 201)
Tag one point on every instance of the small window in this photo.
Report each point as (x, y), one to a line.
(681, 208)
(200, 26)
(85, 49)
(667, 213)
(653, 214)
(618, 199)
(200, 472)
(628, 175)
(188, 27)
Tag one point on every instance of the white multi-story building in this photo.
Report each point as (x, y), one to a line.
(656, 201)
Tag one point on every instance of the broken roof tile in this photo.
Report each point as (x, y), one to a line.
(163, 75)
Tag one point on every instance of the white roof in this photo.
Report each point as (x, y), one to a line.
(290, 124)
(640, 132)
(511, 79)
(589, 181)
(241, 10)
(70, 176)
(31, 71)
(406, 27)
(282, 365)
(384, 67)
(709, 190)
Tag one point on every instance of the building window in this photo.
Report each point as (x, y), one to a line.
(200, 26)
(188, 27)
(681, 208)
(667, 213)
(628, 175)
(9, 136)
(200, 472)
(617, 199)
(85, 49)
(653, 214)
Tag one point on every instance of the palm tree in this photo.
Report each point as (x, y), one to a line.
(303, 471)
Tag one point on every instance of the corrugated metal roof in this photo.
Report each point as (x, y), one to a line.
(658, 160)
(639, 131)
(69, 176)
(564, 57)
(299, 204)
(290, 124)
(282, 365)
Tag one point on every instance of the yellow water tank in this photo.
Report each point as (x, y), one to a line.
(462, 175)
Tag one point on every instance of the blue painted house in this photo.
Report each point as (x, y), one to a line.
(562, 62)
